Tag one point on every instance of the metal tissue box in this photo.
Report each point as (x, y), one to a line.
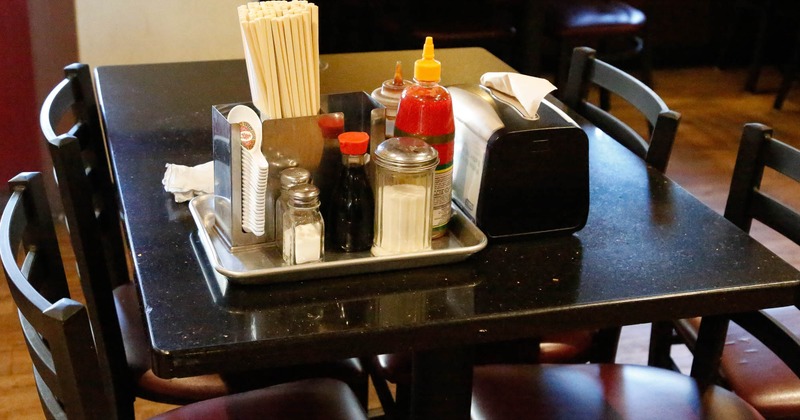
(517, 177)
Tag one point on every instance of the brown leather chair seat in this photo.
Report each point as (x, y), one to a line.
(615, 29)
(568, 347)
(597, 391)
(755, 372)
(589, 18)
(202, 387)
(326, 399)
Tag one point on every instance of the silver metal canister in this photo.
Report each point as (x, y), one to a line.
(404, 175)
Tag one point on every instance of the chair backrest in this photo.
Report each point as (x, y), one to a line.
(746, 201)
(80, 163)
(66, 367)
(73, 101)
(586, 71)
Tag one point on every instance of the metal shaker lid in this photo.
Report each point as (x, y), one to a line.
(294, 176)
(304, 195)
(406, 154)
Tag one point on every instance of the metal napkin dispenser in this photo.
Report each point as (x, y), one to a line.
(514, 176)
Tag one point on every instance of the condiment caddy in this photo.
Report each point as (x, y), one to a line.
(310, 143)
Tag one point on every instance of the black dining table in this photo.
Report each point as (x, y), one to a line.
(650, 251)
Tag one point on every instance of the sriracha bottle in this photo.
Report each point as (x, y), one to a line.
(425, 111)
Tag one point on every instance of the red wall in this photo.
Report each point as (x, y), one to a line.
(19, 129)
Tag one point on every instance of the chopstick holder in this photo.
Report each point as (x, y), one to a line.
(281, 42)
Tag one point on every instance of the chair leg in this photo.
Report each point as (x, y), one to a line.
(786, 85)
(403, 401)
(646, 62)
(385, 397)
(361, 389)
(754, 71)
(565, 56)
(730, 33)
(660, 344)
(789, 75)
(605, 345)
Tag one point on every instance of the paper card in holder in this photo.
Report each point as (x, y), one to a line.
(514, 176)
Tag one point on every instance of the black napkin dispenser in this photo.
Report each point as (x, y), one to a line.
(516, 176)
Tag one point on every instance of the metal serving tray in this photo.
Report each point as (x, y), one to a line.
(263, 263)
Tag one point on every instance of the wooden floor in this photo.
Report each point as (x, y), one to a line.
(714, 108)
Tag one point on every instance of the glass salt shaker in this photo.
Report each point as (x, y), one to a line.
(403, 195)
(289, 178)
(303, 227)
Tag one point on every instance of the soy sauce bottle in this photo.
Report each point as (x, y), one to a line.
(352, 204)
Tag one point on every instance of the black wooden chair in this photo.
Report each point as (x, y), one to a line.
(81, 164)
(587, 71)
(761, 362)
(71, 376)
(615, 29)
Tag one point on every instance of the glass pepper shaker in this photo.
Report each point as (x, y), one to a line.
(289, 178)
(303, 227)
(403, 195)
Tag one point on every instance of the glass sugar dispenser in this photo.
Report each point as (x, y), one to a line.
(303, 226)
(404, 179)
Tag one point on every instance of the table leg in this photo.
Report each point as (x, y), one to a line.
(708, 350)
(442, 386)
(660, 345)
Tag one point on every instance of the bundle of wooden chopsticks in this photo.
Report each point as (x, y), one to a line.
(281, 45)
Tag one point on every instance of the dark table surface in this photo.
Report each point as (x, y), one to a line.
(649, 251)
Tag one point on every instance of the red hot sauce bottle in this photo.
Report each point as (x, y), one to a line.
(425, 111)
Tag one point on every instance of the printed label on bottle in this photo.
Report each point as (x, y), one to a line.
(442, 182)
(442, 187)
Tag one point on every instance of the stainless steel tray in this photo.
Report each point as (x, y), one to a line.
(262, 263)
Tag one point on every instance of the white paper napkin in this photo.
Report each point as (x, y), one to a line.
(525, 93)
(186, 182)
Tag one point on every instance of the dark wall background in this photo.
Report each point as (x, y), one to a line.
(681, 32)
